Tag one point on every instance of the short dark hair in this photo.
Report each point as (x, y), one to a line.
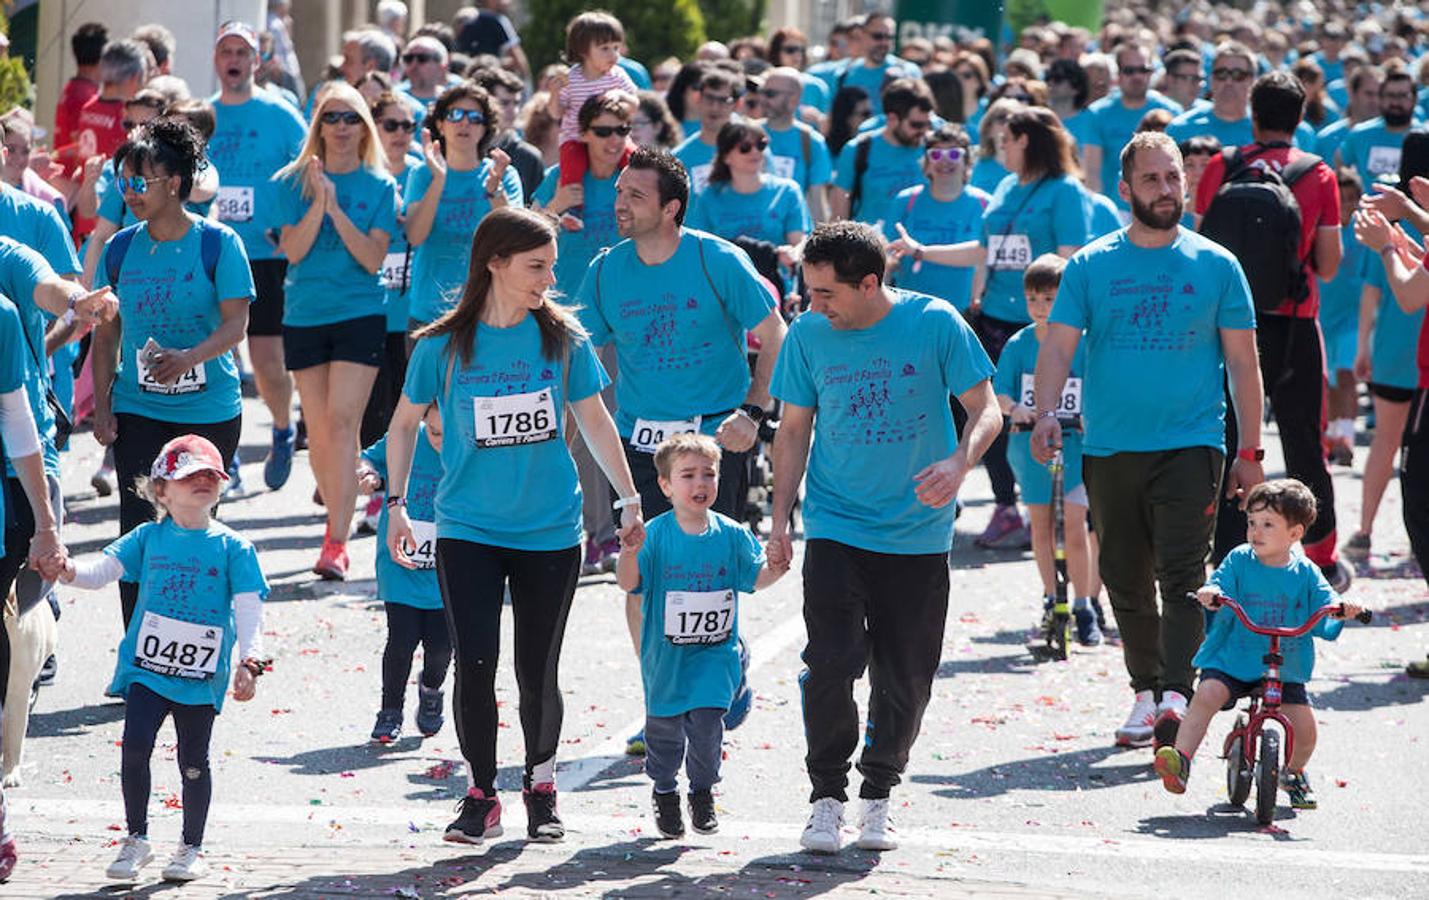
(1200, 145)
(88, 42)
(1277, 102)
(1045, 273)
(465, 90)
(1145, 140)
(673, 182)
(1181, 57)
(619, 103)
(951, 133)
(1285, 497)
(199, 114)
(721, 78)
(490, 79)
(855, 250)
(589, 29)
(902, 95)
(1070, 71)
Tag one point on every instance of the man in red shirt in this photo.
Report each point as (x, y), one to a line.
(87, 42)
(123, 69)
(1291, 353)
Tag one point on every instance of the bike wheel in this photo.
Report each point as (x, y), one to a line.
(1061, 631)
(1238, 771)
(1267, 777)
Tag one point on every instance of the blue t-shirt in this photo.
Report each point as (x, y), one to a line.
(1329, 139)
(1395, 343)
(770, 214)
(1374, 151)
(637, 72)
(891, 168)
(575, 249)
(882, 415)
(397, 584)
(929, 220)
(1340, 297)
(187, 577)
(857, 73)
(12, 361)
(785, 157)
(165, 294)
(39, 226)
(816, 93)
(680, 336)
(21, 271)
(1152, 320)
(1272, 597)
(679, 677)
(1333, 70)
(508, 480)
(987, 174)
(397, 264)
(1111, 127)
(697, 157)
(1022, 222)
(439, 264)
(252, 141)
(1080, 125)
(1015, 369)
(370, 200)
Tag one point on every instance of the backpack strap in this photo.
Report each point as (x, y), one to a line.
(912, 199)
(1299, 168)
(210, 247)
(805, 147)
(117, 249)
(862, 150)
(1234, 163)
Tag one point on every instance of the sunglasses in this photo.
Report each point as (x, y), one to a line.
(135, 184)
(410, 58)
(968, 75)
(951, 155)
(792, 48)
(880, 35)
(771, 94)
(1236, 75)
(750, 146)
(346, 118)
(1135, 70)
(721, 99)
(474, 116)
(605, 131)
(918, 124)
(392, 126)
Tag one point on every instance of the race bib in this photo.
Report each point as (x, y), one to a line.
(192, 381)
(1384, 160)
(699, 177)
(648, 433)
(424, 536)
(698, 617)
(394, 270)
(235, 204)
(182, 649)
(1008, 251)
(1068, 404)
(515, 419)
(783, 166)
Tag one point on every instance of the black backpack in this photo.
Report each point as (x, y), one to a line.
(1255, 216)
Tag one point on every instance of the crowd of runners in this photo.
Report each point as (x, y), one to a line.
(547, 323)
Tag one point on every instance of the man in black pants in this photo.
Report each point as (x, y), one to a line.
(1292, 360)
(871, 369)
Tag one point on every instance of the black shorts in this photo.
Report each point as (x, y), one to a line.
(1391, 394)
(1292, 693)
(265, 313)
(358, 341)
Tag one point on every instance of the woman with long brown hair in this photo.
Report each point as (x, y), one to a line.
(503, 367)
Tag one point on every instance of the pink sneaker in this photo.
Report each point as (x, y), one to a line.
(478, 818)
(1005, 531)
(332, 561)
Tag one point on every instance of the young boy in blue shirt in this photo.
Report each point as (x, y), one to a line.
(689, 571)
(1277, 587)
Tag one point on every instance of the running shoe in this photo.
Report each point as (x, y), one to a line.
(1339, 576)
(388, 728)
(103, 478)
(543, 824)
(668, 820)
(609, 554)
(590, 564)
(635, 744)
(234, 488)
(431, 703)
(1169, 713)
(1137, 730)
(1417, 669)
(478, 818)
(1297, 785)
(1089, 632)
(279, 464)
(134, 854)
(186, 864)
(875, 829)
(9, 856)
(1174, 767)
(371, 510)
(332, 561)
(821, 833)
(739, 709)
(1006, 530)
(702, 812)
(1357, 548)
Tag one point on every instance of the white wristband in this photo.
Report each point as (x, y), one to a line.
(623, 502)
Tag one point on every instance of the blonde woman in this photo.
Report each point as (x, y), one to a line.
(338, 209)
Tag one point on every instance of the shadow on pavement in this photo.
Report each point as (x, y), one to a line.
(1076, 770)
(68, 722)
(1219, 821)
(1360, 695)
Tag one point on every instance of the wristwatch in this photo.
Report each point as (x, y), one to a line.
(1251, 454)
(755, 412)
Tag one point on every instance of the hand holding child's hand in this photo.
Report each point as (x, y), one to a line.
(368, 481)
(1207, 596)
(244, 684)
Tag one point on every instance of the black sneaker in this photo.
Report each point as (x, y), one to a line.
(478, 818)
(667, 814)
(542, 822)
(388, 728)
(49, 670)
(431, 702)
(702, 812)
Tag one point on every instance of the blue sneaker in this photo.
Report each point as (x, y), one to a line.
(635, 744)
(1089, 632)
(739, 709)
(279, 464)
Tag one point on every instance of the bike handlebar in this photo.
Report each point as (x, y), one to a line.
(1068, 423)
(1335, 609)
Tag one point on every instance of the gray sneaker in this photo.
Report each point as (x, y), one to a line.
(134, 854)
(1356, 549)
(186, 864)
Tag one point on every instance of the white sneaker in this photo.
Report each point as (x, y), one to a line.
(876, 831)
(1139, 725)
(1169, 713)
(134, 854)
(186, 864)
(821, 835)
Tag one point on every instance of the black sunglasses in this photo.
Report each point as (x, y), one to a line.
(880, 35)
(392, 126)
(748, 146)
(1236, 75)
(1135, 70)
(605, 131)
(792, 48)
(347, 118)
(418, 58)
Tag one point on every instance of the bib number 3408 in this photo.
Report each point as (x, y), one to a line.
(515, 419)
(699, 617)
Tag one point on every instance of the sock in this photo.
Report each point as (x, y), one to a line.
(544, 773)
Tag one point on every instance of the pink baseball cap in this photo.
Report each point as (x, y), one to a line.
(185, 455)
(235, 28)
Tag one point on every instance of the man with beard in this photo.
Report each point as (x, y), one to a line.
(1166, 314)
(1364, 83)
(1291, 354)
(873, 167)
(1373, 148)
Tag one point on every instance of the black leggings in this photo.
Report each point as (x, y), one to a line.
(472, 577)
(994, 334)
(140, 439)
(144, 712)
(407, 627)
(1414, 478)
(386, 389)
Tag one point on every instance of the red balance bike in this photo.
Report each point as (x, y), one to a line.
(1249, 732)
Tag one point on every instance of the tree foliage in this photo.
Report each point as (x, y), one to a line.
(726, 20)
(654, 29)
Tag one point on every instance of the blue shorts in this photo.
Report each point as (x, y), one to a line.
(1292, 693)
(1035, 479)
